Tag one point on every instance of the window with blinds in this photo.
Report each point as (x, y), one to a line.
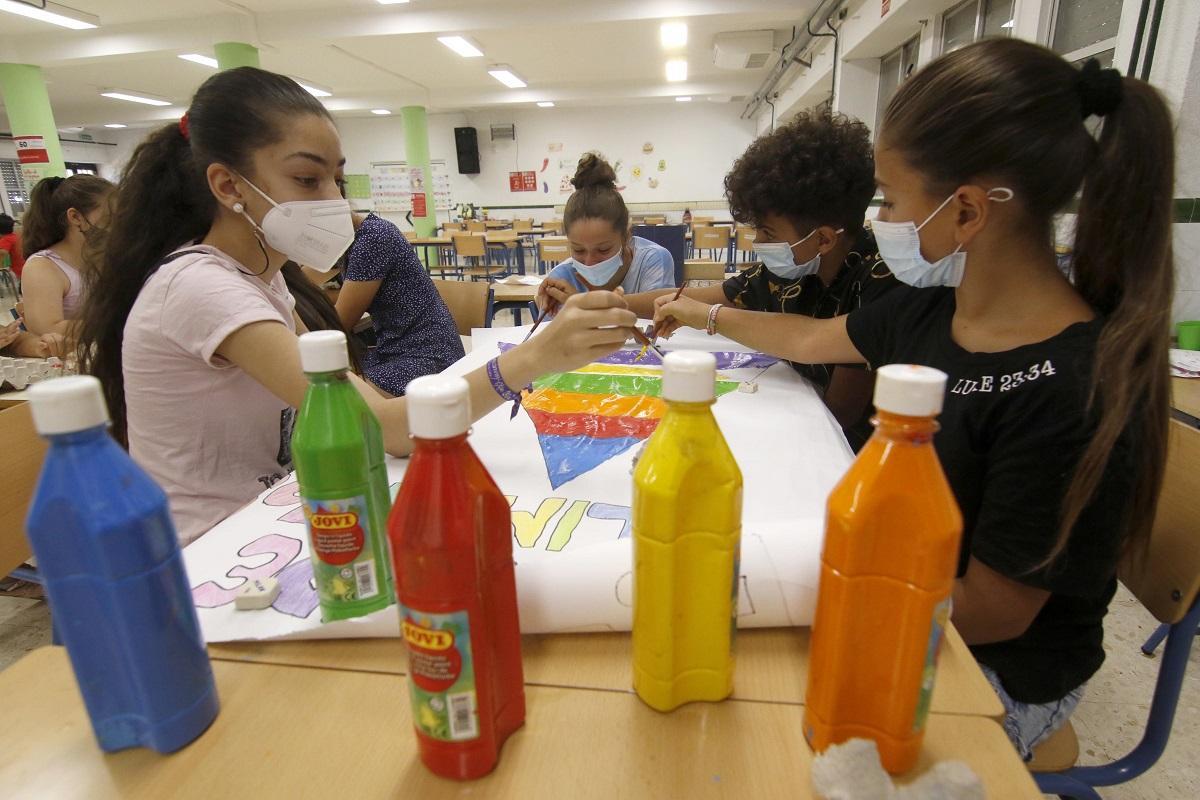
(14, 185)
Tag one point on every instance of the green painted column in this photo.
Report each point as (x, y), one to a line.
(416, 154)
(28, 107)
(231, 55)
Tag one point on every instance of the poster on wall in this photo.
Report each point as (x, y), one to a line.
(522, 181)
(31, 150)
(419, 207)
(564, 185)
(392, 186)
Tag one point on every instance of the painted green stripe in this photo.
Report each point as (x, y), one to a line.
(626, 385)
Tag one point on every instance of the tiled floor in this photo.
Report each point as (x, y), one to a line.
(1109, 721)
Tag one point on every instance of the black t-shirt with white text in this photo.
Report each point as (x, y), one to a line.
(1013, 428)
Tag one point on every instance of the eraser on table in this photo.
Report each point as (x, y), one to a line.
(257, 593)
(749, 387)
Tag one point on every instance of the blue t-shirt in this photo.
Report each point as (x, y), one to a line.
(416, 334)
(652, 268)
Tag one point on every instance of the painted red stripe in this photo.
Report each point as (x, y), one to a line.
(594, 425)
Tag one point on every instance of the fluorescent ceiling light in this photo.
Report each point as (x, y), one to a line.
(52, 13)
(505, 75)
(145, 100)
(380, 112)
(115, 125)
(1009, 24)
(683, 99)
(313, 89)
(673, 35)
(196, 58)
(391, 2)
(677, 70)
(461, 45)
(546, 104)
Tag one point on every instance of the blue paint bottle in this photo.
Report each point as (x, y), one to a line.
(114, 576)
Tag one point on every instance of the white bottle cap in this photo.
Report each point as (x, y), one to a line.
(909, 390)
(324, 351)
(67, 405)
(439, 406)
(689, 376)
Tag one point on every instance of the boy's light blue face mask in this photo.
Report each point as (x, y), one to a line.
(900, 247)
(781, 261)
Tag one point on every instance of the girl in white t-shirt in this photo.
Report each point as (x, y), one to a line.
(191, 327)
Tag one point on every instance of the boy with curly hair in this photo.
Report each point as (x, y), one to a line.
(805, 189)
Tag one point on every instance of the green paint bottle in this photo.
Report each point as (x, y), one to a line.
(337, 447)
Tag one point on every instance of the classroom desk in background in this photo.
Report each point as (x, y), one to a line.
(297, 732)
(506, 239)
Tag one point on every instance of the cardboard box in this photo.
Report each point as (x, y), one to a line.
(21, 454)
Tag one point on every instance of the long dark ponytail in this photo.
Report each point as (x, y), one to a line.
(1017, 111)
(45, 223)
(164, 202)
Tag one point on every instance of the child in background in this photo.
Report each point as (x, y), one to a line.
(1054, 430)
(10, 242)
(64, 216)
(190, 326)
(603, 254)
(805, 189)
(414, 330)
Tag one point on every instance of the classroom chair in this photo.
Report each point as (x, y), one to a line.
(19, 470)
(553, 226)
(476, 226)
(522, 225)
(410, 235)
(745, 241)
(701, 269)
(654, 220)
(713, 238)
(470, 303)
(474, 248)
(1167, 582)
(448, 227)
(552, 250)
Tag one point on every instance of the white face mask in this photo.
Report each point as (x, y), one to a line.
(900, 247)
(779, 259)
(600, 274)
(314, 233)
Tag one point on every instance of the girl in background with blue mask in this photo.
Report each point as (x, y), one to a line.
(191, 326)
(1054, 430)
(603, 254)
(805, 189)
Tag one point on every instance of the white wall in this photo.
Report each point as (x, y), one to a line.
(698, 141)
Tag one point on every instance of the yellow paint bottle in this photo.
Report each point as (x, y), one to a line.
(687, 526)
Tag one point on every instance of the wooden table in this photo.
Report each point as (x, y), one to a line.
(515, 298)
(295, 732)
(507, 239)
(772, 664)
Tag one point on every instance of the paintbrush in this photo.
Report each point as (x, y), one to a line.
(678, 294)
(551, 307)
(646, 343)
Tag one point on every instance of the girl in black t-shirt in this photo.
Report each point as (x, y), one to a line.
(1055, 422)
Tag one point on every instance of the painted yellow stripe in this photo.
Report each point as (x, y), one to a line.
(555, 402)
(618, 369)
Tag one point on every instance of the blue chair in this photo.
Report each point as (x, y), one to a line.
(1167, 582)
(673, 238)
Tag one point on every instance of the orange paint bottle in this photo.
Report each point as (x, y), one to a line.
(892, 537)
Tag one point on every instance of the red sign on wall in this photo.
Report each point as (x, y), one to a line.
(31, 150)
(419, 208)
(522, 181)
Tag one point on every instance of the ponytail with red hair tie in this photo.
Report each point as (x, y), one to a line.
(183, 127)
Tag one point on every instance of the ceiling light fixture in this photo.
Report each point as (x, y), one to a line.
(380, 112)
(677, 70)
(683, 99)
(504, 74)
(313, 89)
(461, 45)
(391, 2)
(673, 35)
(196, 58)
(52, 13)
(115, 125)
(546, 104)
(129, 97)
(1010, 23)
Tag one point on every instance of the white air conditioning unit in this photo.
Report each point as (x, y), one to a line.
(744, 49)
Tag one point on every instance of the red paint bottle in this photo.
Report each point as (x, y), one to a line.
(451, 534)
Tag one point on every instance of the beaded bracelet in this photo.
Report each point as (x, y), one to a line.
(502, 389)
(713, 310)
